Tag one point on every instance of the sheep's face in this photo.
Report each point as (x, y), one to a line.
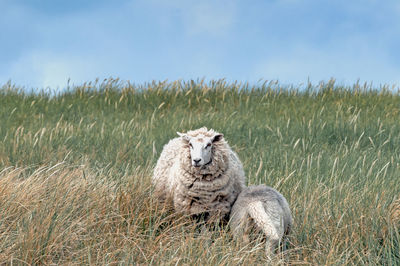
(201, 148)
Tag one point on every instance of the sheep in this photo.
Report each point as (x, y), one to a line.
(199, 174)
(261, 209)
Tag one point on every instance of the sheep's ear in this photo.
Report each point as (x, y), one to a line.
(183, 136)
(217, 137)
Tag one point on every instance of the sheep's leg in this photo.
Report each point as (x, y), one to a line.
(271, 226)
(270, 245)
(240, 224)
(246, 229)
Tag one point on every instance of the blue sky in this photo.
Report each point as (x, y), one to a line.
(43, 43)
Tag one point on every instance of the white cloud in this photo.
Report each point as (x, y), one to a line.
(142, 40)
(202, 17)
(209, 17)
(346, 66)
(75, 47)
(42, 69)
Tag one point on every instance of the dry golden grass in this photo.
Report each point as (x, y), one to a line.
(75, 173)
(395, 212)
(71, 215)
(67, 215)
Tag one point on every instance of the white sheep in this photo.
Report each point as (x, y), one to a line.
(199, 174)
(261, 209)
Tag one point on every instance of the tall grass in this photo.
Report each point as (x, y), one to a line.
(75, 171)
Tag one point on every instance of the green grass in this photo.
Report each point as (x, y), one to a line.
(75, 170)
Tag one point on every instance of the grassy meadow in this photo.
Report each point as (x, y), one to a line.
(76, 166)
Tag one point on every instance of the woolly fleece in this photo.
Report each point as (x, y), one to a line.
(209, 190)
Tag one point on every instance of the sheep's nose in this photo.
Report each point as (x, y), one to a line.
(196, 161)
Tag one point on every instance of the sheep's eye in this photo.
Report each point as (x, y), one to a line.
(190, 145)
(208, 145)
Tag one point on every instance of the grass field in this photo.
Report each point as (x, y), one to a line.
(75, 171)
